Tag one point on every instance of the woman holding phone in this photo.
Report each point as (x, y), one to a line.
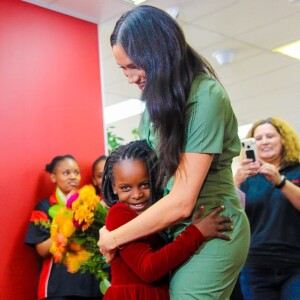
(272, 188)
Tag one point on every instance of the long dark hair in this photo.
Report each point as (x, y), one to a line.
(155, 43)
(137, 150)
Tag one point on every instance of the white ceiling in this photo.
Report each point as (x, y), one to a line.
(259, 82)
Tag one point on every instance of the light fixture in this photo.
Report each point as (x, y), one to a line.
(292, 50)
(135, 2)
(224, 57)
(123, 110)
(297, 2)
(173, 12)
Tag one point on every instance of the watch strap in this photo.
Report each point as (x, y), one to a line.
(282, 182)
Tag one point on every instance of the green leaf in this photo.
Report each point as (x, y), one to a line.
(54, 209)
(113, 140)
(135, 134)
(104, 285)
(79, 240)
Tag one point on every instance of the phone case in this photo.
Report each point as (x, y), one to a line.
(249, 148)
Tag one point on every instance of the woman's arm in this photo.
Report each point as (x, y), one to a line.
(292, 193)
(176, 206)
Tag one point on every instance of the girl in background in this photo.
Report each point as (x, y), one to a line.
(55, 282)
(97, 175)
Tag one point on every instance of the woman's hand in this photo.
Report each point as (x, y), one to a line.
(106, 244)
(212, 225)
(246, 169)
(271, 173)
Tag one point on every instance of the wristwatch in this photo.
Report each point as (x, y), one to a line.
(282, 182)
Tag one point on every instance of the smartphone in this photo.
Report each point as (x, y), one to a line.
(249, 148)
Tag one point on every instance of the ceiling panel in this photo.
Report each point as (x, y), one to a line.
(201, 38)
(254, 66)
(261, 85)
(246, 16)
(194, 10)
(278, 33)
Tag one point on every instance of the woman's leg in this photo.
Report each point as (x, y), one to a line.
(259, 283)
(272, 283)
(212, 272)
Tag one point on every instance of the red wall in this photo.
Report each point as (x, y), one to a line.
(50, 104)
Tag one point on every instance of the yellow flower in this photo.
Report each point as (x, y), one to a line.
(74, 260)
(68, 228)
(84, 206)
(58, 247)
(62, 223)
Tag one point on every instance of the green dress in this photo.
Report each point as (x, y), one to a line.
(212, 128)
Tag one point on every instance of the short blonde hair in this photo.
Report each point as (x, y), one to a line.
(289, 138)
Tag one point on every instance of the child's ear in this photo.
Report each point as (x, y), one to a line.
(53, 178)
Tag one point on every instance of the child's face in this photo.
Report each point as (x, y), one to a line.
(66, 175)
(131, 184)
(98, 174)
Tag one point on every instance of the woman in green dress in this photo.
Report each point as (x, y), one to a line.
(189, 121)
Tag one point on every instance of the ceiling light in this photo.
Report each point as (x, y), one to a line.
(123, 110)
(297, 2)
(173, 12)
(292, 50)
(135, 2)
(224, 57)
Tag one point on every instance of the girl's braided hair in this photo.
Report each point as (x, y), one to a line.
(136, 150)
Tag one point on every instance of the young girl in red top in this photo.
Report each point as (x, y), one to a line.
(140, 269)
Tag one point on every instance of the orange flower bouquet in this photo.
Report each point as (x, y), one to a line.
(75, 232)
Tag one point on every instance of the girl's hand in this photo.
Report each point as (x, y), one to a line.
(105, 240)
(212, 225)
(246, 169)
